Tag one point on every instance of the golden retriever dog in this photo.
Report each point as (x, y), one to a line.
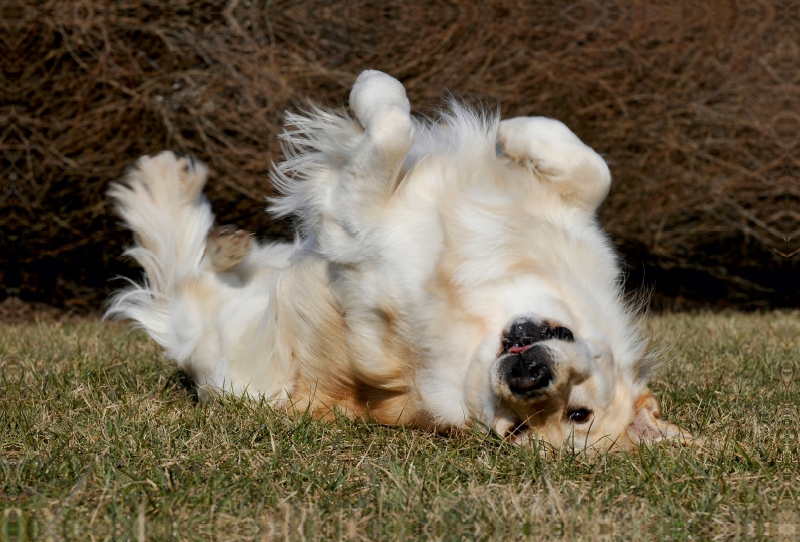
(447, 274)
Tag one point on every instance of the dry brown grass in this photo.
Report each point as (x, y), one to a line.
(694, 104)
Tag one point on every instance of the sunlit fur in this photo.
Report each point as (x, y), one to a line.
(419, 242)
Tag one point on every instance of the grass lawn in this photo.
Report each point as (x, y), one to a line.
(102, 438)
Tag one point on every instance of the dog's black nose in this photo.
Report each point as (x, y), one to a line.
(529, 371)
(524, 332)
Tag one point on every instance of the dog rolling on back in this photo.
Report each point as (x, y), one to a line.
(448, 274)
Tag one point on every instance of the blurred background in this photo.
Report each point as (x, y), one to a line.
(693, 104)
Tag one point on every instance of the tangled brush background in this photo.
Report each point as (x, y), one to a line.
(695, 107)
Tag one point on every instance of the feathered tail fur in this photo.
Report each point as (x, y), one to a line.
(161, 201)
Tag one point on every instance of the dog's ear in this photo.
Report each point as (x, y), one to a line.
(647, 425)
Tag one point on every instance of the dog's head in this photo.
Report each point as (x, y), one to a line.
(545, 356)
(553, 383)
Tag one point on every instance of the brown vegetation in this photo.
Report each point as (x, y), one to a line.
(695, 108)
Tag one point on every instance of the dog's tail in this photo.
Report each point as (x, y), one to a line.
(218, 322)
(161, 201)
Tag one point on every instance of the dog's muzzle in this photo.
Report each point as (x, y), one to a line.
(527, 365)
(528, 372)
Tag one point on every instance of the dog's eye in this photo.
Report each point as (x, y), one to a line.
(579, 415)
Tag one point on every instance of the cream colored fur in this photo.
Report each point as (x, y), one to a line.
(419, 244)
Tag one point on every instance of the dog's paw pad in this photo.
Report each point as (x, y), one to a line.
(226, 246)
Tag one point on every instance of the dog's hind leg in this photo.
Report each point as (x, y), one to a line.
(226, 246)
(371, 173)
(556, 154)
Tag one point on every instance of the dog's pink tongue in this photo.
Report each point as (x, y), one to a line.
(518, 349)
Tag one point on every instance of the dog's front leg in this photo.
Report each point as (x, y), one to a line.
(371, 174)
(559, 157)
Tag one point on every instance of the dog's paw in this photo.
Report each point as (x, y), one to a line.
(226, 246)
(558, 155)
(380, 104)
(535, 138)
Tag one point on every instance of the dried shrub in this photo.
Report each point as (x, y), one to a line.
(695, 109)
